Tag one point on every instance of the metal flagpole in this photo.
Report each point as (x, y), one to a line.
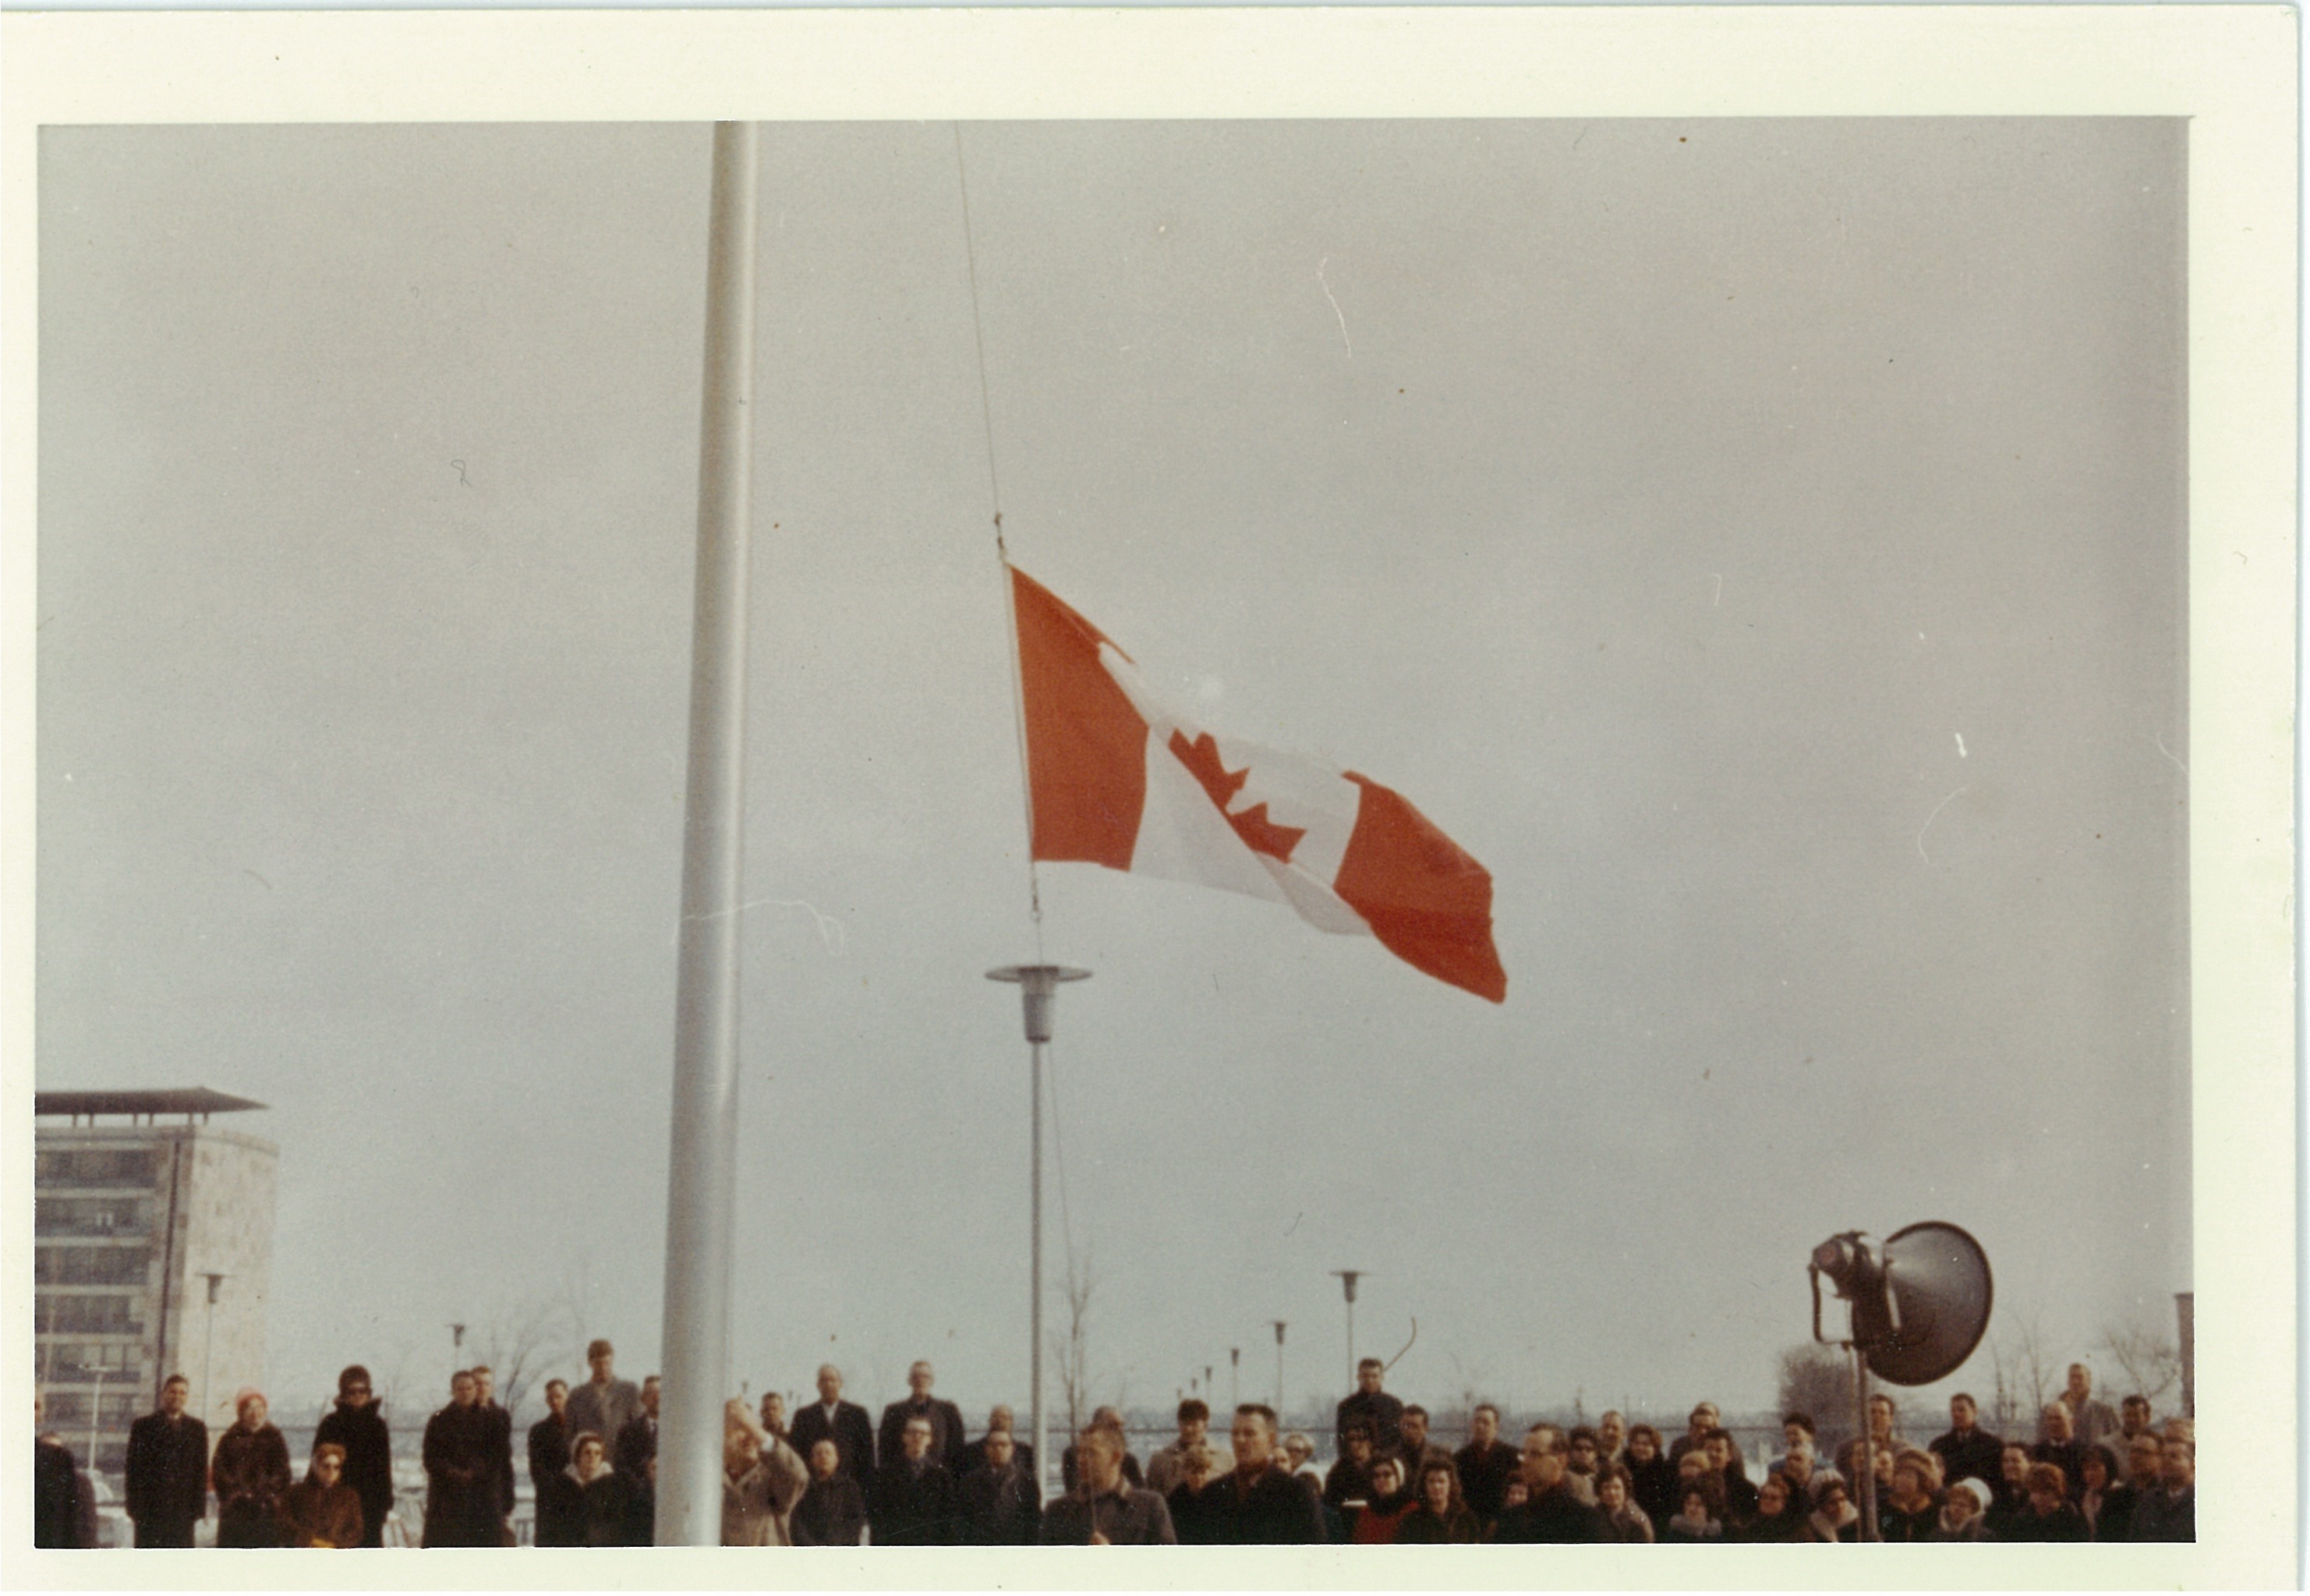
(1039, 983)
(701, 1190)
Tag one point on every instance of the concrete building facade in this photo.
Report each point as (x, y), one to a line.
(152, 1255)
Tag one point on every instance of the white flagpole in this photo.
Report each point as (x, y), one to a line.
(701, 1192)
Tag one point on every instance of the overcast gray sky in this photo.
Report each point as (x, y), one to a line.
(1760, 543)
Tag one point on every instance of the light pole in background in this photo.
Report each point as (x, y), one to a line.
(1348, 1277)
(1235, 1380)
(1279, 1368)
(1038, 987)
(208, 1345)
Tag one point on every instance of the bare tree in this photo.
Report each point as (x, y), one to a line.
(2151, 1360)
(519, 1337)
(1070, 1348)
(1817, 1380)
(2025, 1362)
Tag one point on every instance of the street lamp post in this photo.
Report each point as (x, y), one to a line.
(1038, 985)
(208, 1345)
(1348, 1277)
(1279, 1368)
(1235, 1381)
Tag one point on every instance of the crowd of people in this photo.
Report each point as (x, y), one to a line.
(827, 1475)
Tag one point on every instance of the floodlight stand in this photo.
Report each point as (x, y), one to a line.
(1867, 1492)
(1864, 1489)
(1038, 985)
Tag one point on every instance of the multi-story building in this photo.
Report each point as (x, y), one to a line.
(153, 1256)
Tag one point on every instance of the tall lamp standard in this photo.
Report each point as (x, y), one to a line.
(1235, 1380)
(1279, 1368)
(1038, 987)
(1348, 1277)
(208, 1344)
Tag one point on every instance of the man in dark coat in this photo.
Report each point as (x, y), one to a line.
(945, 1421)
(549, 1437)
(357, 1424)
(997, 1504)
(833, 1510)
(1381, 1413)
(2169, 1510)
(461, 1496)
(1485, 1463)
(167, 1470)
(845, 1424)
(974, 1455)
(485, 1387)
(56, 1488)
(1265, 1505)
(1551, 1513)
(913, 1503)
(637, 1443)
(1968, 1450)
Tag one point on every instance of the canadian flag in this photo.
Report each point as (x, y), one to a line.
(1117, 777)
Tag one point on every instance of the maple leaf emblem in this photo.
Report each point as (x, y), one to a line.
(1259, 834)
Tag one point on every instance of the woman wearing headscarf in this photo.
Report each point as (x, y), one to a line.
(1442, 1518)
(1962, 1509)
(249, 1472)
(590, 1497)
(1389, 1506)
(1834, 1516)
(321, 1510)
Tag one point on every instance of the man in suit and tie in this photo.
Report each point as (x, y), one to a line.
(945, 1419)
(637, 1443)
(845, 1424)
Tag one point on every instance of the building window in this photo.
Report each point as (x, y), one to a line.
(94, 1167)
(90, 1216)
(100, 1316)
(90, 1266)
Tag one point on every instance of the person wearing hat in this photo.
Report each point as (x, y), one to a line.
(249, 1473)
(322, 1510)
(1961, 1511)
(1834, 1516)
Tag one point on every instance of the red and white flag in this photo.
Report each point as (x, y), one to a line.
(1119, 778)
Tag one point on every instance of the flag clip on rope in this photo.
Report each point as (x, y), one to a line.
(1118, 777)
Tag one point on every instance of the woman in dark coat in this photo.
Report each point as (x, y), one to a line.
(322, 1510)
(2051, 1514)
(249, 1473)
(357, 1424)
(1653, 1483)
(587, 1504)
(1443, 1517)
(2107, 1506)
